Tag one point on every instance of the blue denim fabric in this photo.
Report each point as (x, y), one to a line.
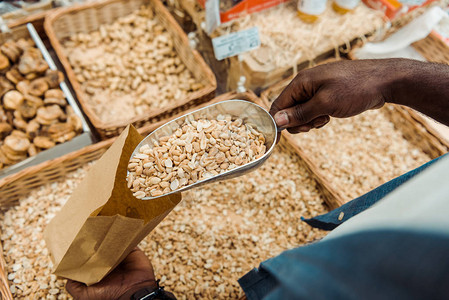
(365, 265)
(330, 220)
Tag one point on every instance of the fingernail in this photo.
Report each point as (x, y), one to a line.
(281, 118)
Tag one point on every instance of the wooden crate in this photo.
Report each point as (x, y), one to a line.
(403, 119)
(22, 183)
(65, 22)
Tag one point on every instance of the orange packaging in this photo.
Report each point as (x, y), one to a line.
(394, 8)
(245, 7)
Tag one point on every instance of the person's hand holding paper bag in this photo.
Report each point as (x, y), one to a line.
(102, 221)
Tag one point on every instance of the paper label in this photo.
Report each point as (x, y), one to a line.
(312, 7)
(236, 43)
(212, 15)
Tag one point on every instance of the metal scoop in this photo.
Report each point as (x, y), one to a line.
(249, 112)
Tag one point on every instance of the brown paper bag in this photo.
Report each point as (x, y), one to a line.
(102, 221)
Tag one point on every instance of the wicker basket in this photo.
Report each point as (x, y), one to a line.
(22, 183)
(433, 49)
(65, 22)
(403, 118)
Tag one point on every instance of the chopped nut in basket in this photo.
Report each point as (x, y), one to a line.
(34, 114)
(196, 150)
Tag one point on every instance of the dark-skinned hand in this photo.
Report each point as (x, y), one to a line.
(132, 274)
(347, 88)
(341, 89)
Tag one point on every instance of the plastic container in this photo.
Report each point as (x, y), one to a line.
(345, 6)
(310, 10)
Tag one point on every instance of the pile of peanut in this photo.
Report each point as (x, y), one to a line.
(28, 263)
(212, 238)
(129, 67)
(360, 153)
(34, 114)
(197, 150)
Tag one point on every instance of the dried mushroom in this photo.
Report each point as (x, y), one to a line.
(12, 99)
(23, 87)
(32, 61)
(43, 142)
(27, 109)
(54, 93)
(34, 114)
(4, 161)
(38, 87)
(53, 78)
(24, 44)
(75, 122)
(66, 137)
(57, 101)
(5, 129)
(13, 155)
(15, 146)
(9, 116)
(32, 129)
(17, 142)
(5, 85)
(58, 130)
(19, 124)
(3, 116)
(14, 76)
(36, 101)
(11, 50)
(31, 76)
(47, 115)
(4, 62)
(32, 151)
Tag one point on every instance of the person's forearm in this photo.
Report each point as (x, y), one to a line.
(421, 86)
(347, 88)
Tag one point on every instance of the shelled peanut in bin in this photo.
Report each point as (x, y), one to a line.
(220, 233)
(129, 67)
(34, 114)
(360, 153)
(197, 150)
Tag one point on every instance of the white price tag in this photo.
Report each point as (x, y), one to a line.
(212, 15)
(236, 43)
